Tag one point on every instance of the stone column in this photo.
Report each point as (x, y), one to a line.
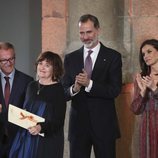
(126, 122)
(54, 25)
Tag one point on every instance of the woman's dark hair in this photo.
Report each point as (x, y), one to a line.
(145, 68)
(86, 17)
(54, 60)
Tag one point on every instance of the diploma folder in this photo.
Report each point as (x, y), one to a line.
(23, 118)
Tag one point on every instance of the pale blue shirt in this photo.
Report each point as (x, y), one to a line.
(11, 78)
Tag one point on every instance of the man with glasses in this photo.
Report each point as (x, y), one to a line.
(16, 83)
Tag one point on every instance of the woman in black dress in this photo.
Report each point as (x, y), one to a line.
(45, 98)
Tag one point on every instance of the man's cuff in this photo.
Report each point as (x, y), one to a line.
(72, 93)
(87, 89)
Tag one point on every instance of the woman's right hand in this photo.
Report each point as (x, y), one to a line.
(141, 85)
(35, 130)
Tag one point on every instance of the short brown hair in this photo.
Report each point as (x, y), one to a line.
(84, 18)
(6, 46)
(55, 60)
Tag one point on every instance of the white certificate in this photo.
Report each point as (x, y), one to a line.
(23, 118)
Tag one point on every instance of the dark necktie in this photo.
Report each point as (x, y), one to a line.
(88, 64)
(7, 91)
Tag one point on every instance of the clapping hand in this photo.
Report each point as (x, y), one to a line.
(141, 84)
(145, 82)
(82, 78)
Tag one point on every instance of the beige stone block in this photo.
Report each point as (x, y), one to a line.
(54, 34)
(145, 28)
(145, 7)
(54, 8)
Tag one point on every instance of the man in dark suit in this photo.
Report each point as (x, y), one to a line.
(18, 82)
(93, 119)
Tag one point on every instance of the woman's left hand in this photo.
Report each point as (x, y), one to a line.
(35, 130)
(149, 82)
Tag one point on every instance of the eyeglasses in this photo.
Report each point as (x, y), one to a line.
(4, 61)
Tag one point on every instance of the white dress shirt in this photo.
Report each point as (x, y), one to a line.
(94, 58)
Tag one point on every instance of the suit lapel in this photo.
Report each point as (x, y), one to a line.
(80, 59)
(1, 96)
(77, 61)
(14, 86)
(100, 63)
